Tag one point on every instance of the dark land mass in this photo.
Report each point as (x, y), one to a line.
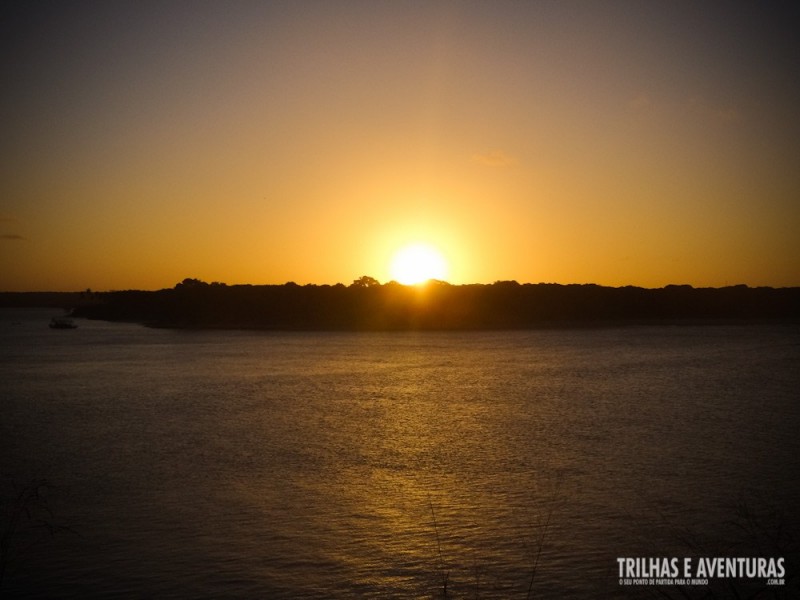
(367, 305)
(65, 300)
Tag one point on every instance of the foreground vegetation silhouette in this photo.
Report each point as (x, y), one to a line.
(26, 521)
(368, 305)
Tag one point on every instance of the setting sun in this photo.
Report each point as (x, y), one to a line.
(417, 263)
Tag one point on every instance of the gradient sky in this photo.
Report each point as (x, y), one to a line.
(619, 143)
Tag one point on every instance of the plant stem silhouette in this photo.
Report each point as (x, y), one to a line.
(28, 508)
(444, 574)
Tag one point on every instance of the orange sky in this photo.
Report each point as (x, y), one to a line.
(626, 143)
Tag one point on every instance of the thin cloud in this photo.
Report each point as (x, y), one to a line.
(10, 237)
(640, 102)
(495, 158)
(729, 115)
(721, 114)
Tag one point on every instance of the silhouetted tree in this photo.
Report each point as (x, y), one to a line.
(191, 282)
(365, 281)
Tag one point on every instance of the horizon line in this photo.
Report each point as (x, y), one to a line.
(367, 281)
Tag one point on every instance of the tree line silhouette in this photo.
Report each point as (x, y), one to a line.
(368, 305)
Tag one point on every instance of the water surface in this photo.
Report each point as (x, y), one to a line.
(329, 465)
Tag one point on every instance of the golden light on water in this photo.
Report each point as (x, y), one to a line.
(417, 263)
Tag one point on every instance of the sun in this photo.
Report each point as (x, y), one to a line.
(417, 263)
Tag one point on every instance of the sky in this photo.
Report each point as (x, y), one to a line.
(619, 143)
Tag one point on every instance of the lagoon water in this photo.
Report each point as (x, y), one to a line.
(214, 464)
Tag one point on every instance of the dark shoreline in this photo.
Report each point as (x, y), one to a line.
(369, 306)
(542, 326)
